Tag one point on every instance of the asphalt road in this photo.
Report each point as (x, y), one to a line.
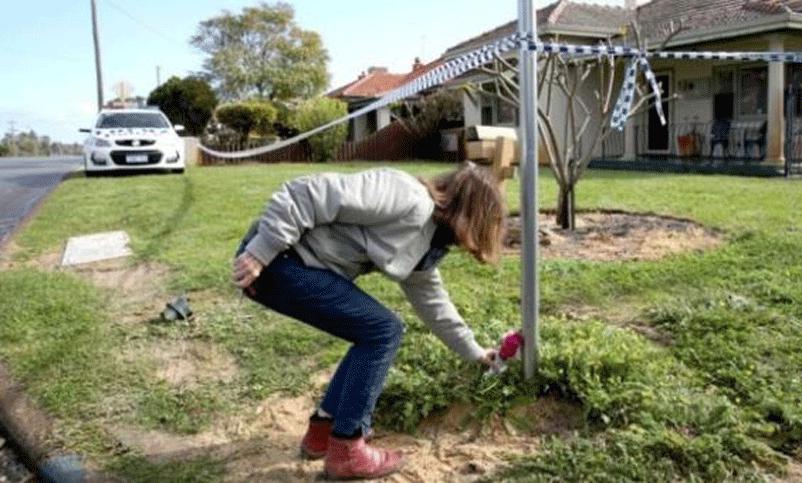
(24, 182)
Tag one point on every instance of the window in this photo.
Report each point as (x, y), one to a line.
(494, 110)
(127, 120)
(487, 115)
(507, 113)
(754, 84)
(372, 122)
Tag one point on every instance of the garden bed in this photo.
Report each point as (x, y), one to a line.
(613, 236)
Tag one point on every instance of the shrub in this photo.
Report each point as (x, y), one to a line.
(188, 101)
(317, 112)
(248, 117)
(427, 116)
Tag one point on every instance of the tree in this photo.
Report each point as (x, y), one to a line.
(586, 110)
(189, 101)
(428, 114)
(248, 117)
(262, 52)
(315, 113)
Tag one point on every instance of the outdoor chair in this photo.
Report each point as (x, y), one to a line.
(755, 136)
(720, 136)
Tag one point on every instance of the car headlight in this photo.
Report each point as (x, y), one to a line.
(102, 143)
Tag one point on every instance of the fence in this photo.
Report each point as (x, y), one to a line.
(392, 143)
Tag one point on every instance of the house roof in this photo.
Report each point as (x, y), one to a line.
(696, 16)
(378, 81)
(560, 17)
(656, 18)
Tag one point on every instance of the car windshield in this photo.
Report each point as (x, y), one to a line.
(131, 120)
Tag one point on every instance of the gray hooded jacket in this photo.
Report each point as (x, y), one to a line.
(352, 224)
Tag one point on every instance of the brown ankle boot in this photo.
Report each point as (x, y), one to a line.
(353, 459)
(316, 439)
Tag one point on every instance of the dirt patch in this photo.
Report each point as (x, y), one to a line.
(261, 443)
(132, 284)
(610, 236)
(184, 363)
(547, 416)
(794, 473)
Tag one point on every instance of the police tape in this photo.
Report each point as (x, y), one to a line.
(481, 56)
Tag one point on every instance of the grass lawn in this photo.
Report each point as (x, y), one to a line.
(718, 399)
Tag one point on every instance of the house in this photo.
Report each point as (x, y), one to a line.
(369, 87)
(723, 110)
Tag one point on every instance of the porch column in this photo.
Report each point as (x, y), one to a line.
(775, 132)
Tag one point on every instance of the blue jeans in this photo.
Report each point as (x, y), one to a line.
(332, 303)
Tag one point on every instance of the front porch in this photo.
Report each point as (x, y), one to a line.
(737, 118)
(734, 147)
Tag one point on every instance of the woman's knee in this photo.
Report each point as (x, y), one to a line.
(386, 332)
(394, 332)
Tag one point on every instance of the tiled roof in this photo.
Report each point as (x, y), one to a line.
(372, 84)
(656, 17)
(377, 82)
(560, 14)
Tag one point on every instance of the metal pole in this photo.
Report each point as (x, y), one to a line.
(528, 88)
(97, 58)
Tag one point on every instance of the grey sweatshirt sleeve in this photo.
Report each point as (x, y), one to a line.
(428, 296)
(366, 198)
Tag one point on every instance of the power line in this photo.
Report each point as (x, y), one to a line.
(141, 22)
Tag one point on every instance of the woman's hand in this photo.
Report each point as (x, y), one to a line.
(490, 359)
(246, 270)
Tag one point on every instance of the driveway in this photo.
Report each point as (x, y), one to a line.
(24, 182)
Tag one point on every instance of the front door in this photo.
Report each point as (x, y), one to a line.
(659, 139)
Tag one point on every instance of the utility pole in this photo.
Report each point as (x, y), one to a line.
(97, 57)
(158, 75)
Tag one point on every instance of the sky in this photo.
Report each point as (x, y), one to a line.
(47, 73)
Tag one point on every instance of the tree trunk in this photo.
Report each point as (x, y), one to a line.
(566, 208)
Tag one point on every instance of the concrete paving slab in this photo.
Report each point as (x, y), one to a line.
(96, 247)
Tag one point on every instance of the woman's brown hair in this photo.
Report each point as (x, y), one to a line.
(470, 202)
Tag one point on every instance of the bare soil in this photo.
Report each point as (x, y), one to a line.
(262, 444)
(615, 236)
(184, 363)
